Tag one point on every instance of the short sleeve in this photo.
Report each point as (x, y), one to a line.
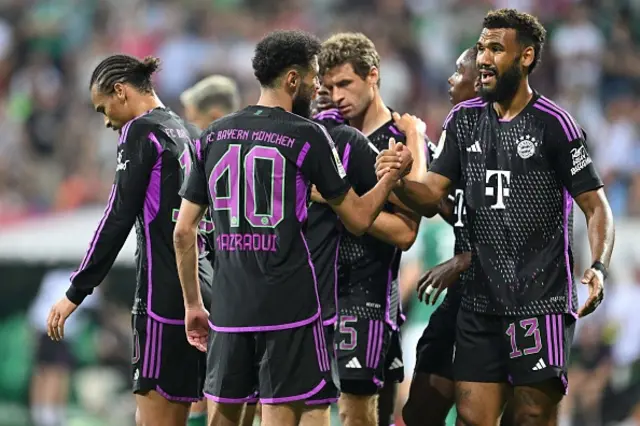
(358, 158)
(320, 162)
(195, 188)
(570, 158)
(446, 158)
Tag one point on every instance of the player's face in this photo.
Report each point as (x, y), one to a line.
(322, 101)
(306, 91)
(500, 59)
(350, 93)
(113, 106)
(464, 81)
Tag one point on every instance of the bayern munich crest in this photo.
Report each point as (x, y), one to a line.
(526, 146)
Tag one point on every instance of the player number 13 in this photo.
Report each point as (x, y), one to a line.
(235, 169)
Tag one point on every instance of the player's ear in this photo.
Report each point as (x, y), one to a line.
(373, 77)
(120, 91)
(292, 82)
(527, 56)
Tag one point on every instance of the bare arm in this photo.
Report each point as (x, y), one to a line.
(600, 226)
(185, 237)
(424, 198)
(399, 228)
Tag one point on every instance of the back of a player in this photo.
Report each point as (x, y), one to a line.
(258, 163)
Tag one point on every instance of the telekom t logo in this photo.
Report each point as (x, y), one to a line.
(502, 178)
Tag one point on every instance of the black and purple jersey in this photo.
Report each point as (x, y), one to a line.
(254, 173)
(519, 178)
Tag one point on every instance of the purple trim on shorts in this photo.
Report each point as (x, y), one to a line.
(302, 185)
(247, 399)
(561, 338)
(471, 103)
(96, 235)
(147, 347)
(262, 328)
(284, 400)
(321, 347)
(550, 358)
(379, 383)
(568, 206)
(575, 129)
(345, 157)
(565, 383)
(394, 129)
(555, 339)
(176, 398)
(154, 350)
(387, 309)
(328, 401)
(374, 343)
(159, 360)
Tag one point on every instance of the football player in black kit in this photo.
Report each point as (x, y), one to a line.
(368, 338)
(256, 167)
(523, 161)
(154, 147)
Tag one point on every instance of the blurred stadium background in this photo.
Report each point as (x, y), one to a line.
(57, 162)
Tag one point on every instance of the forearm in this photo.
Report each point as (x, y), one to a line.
(370, 204)
(394, 229)
(418, 197)
(463, 261)
(186, 248)
(601, 233)
(445, 209)
(417, 146)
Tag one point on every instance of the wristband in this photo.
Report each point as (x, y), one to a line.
(599, 266)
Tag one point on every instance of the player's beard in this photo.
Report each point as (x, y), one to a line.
(506, 86)
(302, 101)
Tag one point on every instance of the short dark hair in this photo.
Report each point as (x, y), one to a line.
(280, 51)
(529, 31)
(124, 69)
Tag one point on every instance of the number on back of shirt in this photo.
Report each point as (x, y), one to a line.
(232, 170)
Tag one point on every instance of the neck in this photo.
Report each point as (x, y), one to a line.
(509, 109)
(146, 103)
(272, 98)
(373, 117)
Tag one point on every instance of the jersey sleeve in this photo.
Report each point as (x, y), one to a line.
(570, 158)
(194, 188)
(446, 158)
(320, 163)
(358, 158)
(136, 159)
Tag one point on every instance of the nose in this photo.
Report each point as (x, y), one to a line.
(483, 58)
(450, 80)
(337, 96)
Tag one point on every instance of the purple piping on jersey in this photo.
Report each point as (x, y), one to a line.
(567, 131)
(159, 361)
(568, 205)
(549, 340)
(302, 185)
(321, 401)
(393, 129)
(471, 103)
(346, 155)
(94, 240)
(176, 398)
(198, 147)
(577, 131)
(147, 347)
(249, 399)
(125, 129)
(306, 395)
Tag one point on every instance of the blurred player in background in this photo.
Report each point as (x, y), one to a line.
(523, 161)
(260, 162)
(210, 99)
(153, 157)
(431, 395)
(368, 340)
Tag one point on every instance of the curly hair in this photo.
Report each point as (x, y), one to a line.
(529, 31)
(124, 69)
(353, 48)
(282, 50)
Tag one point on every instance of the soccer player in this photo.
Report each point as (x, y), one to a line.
(210, 99)
(368, 343)
(168, 373)
(431, 395)
(256, 166)
(523, 161)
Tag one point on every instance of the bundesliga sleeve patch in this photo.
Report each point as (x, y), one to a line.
(440, 146)
(336, 158)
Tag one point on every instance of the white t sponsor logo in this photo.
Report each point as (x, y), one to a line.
(501, 190)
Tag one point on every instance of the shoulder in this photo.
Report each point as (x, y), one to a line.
(557, 122)
(467, 110)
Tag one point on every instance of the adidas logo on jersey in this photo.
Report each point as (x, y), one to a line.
(354, 363)
(475, 147)
(539, 365)
(396, 364)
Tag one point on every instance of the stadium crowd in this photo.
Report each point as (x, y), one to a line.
(55, 154)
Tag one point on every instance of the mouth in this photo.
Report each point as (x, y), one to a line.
(487, 77)
(344, 109)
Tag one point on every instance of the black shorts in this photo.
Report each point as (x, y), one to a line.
(52, 353)
(205, 277)
(516, 350)
(163, 361)
(434, 352)
(330, 393)
(369, 352)
(276, 367)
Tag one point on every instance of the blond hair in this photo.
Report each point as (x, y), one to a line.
(353, 48)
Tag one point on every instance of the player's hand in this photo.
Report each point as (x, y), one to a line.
(397, 157)
(58, 316)
(436, 279)
(196, 325)
(595, 280)
(316, 197)
(405, 157)
(408, 123)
